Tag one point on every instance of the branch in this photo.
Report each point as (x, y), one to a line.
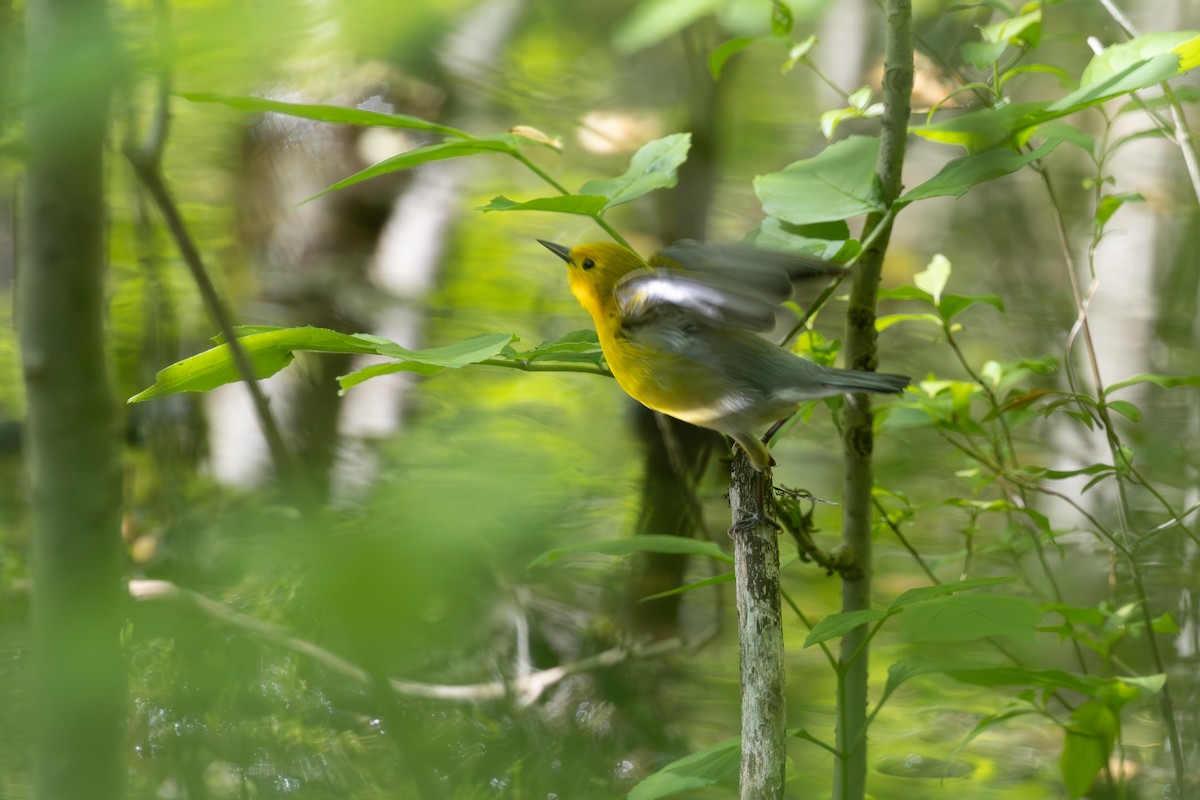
(858, 421)
(146, 161)
(525, 690)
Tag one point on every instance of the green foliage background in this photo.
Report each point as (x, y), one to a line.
(431, 573)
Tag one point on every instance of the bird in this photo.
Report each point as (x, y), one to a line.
(680, 333)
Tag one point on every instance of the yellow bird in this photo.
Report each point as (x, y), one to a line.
(679, 334)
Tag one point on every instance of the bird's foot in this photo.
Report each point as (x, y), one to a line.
(751, 522)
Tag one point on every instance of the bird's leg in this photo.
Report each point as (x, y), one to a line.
(760, 460)
(774, 429)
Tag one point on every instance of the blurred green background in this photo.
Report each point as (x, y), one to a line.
(438, 493)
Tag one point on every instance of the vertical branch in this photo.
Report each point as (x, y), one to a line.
(73, 428)
(858, 443)
(760, 637)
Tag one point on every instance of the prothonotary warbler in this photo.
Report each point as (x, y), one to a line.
(679, 334)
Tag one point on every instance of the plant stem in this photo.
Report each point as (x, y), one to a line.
(858, 439)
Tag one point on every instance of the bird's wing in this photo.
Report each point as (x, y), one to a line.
(765, 269)
(703, 298)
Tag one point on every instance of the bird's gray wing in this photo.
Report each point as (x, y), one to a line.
(766, 270)
(710, 299)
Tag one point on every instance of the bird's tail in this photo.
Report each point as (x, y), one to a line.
(850, 380)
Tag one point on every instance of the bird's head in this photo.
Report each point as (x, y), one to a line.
(594, 270)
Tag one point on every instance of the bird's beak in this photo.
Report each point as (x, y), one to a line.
(562, 252)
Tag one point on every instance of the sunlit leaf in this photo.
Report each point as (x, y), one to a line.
(1009, 125)
(269, 351)
(654, 166)
(1024, 29)
(836, 625)
(798, 51)
(325, 113)
(888, 320)
(934, 277)
(781, 18)
(636, 544)
(693, 771)
(1119, 57)
(432, 360)
(1136, 76)
(837, 183)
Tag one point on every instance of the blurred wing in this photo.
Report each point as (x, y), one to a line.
(697, 297)
(764, 269)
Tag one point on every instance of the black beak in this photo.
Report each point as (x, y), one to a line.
(562, 252)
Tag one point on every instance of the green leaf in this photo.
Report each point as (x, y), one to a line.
(981, 55)
(836, 625)
(694, 771)
(828, 240)
(954, 304)
(1091, 733)
(500, 143)
(781, 18)
(908, 668)
(798, 51)
(652, 167)
(654, 20)
(888, 320)
(323, 113)
(1063, 132)
(1009, 125)
(1109, 204)
(922, 593)
(959, 618)
(1119, 57)
(588, 205)
(934, 277)
(961, 174)
(906, 293)
(636, 544)
(431, 360)
(722, 53)
(269, 351)
(838, 182)
(1136, 76)
(1125, 409)
(1025, 29)
(1165, 381)
(581, 341)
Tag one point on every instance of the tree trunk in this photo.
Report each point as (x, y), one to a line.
(73, 431)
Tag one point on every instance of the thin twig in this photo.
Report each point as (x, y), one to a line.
(146, 161)
(525, 690)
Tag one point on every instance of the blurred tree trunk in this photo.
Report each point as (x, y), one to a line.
(677, 453)
(73, 432)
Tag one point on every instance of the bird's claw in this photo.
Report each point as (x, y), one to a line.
(751, 522)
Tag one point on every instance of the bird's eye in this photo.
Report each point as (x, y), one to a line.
(588, 263)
